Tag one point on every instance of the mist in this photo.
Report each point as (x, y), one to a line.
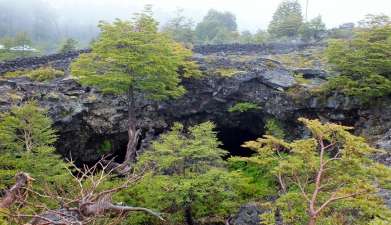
(251, 15)
(51, 21)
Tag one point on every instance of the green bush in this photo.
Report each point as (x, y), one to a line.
(45, 74)
(275, 128)
(40, 74)
(105, 147)
(27, 128)
(227, 72)
(26, 140)
(190, 179)
(367, 88)
(326, 178)
(243, 107)
(363, 62)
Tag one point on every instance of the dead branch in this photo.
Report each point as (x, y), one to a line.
(17, 191)
(88, 206)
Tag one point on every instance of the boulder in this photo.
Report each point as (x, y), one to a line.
(248, 214)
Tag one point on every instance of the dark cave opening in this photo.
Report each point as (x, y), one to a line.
(233, 137)
(112, 147)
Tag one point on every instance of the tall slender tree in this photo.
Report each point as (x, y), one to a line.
(286, 20)
(132, 57)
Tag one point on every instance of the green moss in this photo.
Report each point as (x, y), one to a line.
(45, 74)
(14, 74)
(40, 74)
(242, 58)
(300, 79)
(243, 107)
(307, 59)
(271, 64)
(227, 72)
(105, 147)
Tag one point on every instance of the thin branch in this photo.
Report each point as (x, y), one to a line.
(121, 209)
(333, 198)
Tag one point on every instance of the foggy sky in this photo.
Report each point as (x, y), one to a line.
(251, 14)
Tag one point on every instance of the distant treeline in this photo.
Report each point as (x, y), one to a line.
(35, 24)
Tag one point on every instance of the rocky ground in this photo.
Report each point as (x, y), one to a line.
(85, 118)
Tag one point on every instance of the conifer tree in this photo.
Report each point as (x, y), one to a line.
(189, 179)
(134, 58)
(286, 20)
(327, 178)
(363, 62)
(27, 128)
(69, 44)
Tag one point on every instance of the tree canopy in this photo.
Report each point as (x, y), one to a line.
(363, 62)
(327, 178)
(134, 55)
(217, 27)
(314, 29)
(26, 128)
(287, 20)
(68, 45)
(189, 177)
(181, 29)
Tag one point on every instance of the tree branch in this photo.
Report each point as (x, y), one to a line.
(15, 192)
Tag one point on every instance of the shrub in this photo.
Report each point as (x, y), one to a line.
(40, 74)
(363, 62)
(26, 140)
(227, 72)
(365, 89)
(243, 107)
(105, 147)
(27, 128)
(275, 128)
(299, 78)
(327, 178)
(190, 181)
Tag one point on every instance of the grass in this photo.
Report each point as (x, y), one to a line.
(243, 107)
(308, 59)
(301, 80)
(227, 72)
(41, 74)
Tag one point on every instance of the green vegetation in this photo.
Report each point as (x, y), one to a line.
(154, 67)
(243, 107)
(217, 27)
(105, 147)
(189, 179)
(26, 144)
(227, 72)
(314, 29)
(310, 58)
(287, 20)
(41, 74)
(274, 127)
(327, 178)
(180, 29)
(300, 79)
(363, 62)
(26, 128)
(20, 39)
(69, 44)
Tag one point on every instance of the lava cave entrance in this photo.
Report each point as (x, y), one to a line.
(233, 137)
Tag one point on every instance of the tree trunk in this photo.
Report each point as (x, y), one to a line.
(312, 220)
(133, 132)
(188, 216)
(133, 138)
